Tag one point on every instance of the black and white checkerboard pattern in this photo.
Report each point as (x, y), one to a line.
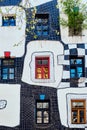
(77, 50)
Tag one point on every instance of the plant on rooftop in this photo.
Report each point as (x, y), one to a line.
(76, 12)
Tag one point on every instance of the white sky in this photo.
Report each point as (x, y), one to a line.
(38, 2)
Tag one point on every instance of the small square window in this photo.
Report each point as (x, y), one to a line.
(42, 68)
(42, 112)
(78, 111)
(7, 69)
(8, 21)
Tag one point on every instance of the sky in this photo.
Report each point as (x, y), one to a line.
(38, 2)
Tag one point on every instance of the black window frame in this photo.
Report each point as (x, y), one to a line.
(41, 25)
(7, 66)
(42, 110)
(75, 66)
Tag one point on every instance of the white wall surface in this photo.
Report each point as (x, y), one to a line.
(65, 30)
(64, 104)
(10, 115)
(11, 35)
(43, 48)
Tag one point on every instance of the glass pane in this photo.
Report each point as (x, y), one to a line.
(39, 28)
(74, 113)
(72, 75)
(74, 120)
(80, 75)
(45, 105)
(11, 70)
(45, 33)
(79, 69)
(38, 70)
(39, 105)
(46, 117)
(73, 61)
(39, 76)
(39, 114)
(78, 104)
(81, 120)
(39, 120)
(5, 70)
(11, 76)
(8, 62)
(39, 33)
(72, 70)
(4, 76)
(45, 62)
(82, 113)
(79, 61)
(45, 27)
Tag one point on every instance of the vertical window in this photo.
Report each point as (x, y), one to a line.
(7, 69)
(78, 111)
(8, 21)
(42, 68)
(42, 24)
(42, 112)
(76, 67)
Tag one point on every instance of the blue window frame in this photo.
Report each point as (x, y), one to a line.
(42, 28)
(8, 70)
(42, 111)
(8, 21)
(76, 67)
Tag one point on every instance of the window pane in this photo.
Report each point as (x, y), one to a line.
(79, 61)
(46, 117)
(78, 104)
(39, 117)
(11, 76)
(11, 70)
(39, 105)
(45, 62)
(72, 70)
(4, 76)
(72, 76)
(79, 69)
(5, 70)
(73, 61)
(80, 75)
(45, 105)
(74, 113)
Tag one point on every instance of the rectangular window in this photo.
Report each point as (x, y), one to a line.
(8, 21)
(78, 111)
(42, 112)
(76, 67)
(7, 69)
(42, 24)
(42, 68)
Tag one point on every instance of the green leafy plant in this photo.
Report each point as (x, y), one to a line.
(76, 12)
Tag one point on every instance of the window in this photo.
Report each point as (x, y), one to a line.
(42, 112)
(76, 67)
(78, 111)
(7, 69)
(8, 21)
(42, 68)
(42, 24)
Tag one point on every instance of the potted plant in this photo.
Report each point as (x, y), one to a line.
(76, 12)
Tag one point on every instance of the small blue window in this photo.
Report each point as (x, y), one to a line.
(76, 67)
(42, 96)
(9, 21)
